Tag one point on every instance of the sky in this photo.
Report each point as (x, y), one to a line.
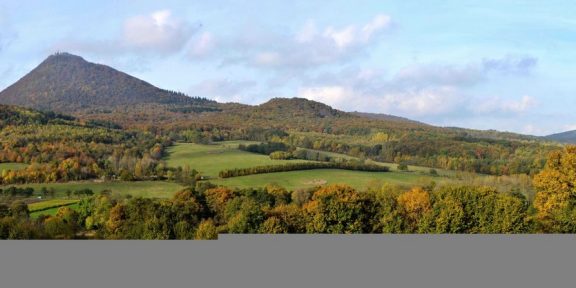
(491, 64)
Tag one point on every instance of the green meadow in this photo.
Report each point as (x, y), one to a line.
(52, 211)
(211, 159)
(310, 178)
(12, 166)
(146, 189)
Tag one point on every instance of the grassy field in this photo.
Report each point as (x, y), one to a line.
(12, 166)
(146, 189)
(209, 160)
(48, 204)
(51, 211)
(310, 178)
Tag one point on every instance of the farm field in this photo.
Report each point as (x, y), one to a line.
(310, 178)
(146, 189)
(48, 204)
(12, 166)
(210, 159)
(52, 211)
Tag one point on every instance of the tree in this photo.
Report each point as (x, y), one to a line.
(216, 199)
(206, 231)
(403, 166)
(555, 200)
(19, 209)
(301, 196)
(338, 209)
(115, 220)
(248, 216)
(281, 195)
(413, 205)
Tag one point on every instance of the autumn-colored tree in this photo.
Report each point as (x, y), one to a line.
(245, 215)
(301, 196)
(413, 205)
(57, 228)
(290, 218)
(185, 207)
(216, 199)
(273, 225)
(115, 221)
(69, 216)
(338, 209)
(555, 200)
(19, 209)
(206, 231)
(281, 195)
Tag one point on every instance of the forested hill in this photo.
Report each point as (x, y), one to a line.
(385, 117)
(68, 83)
(565, 137)
(298, 107)
(13, 115)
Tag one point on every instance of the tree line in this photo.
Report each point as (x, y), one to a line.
(237, 172)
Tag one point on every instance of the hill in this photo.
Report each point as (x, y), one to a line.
(298, 107)
(385, 117)
(100, 94)
(565, 137)
(68, 83)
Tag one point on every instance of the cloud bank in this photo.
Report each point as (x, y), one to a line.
(310, 47)
(158, 33)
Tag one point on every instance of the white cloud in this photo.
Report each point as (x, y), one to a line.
(159, 33)
(379, 23)
(531, 129)
(308, 48)
(223, 90)
(431, 91)
(332, 95)
(571, 127)
(499, 105)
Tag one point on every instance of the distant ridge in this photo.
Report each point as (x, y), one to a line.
(385, 117)
(564, 137)
(68, 83)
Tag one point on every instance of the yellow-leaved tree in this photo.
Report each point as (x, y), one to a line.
(555, 200)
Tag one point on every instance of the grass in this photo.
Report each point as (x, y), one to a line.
(12, 166)
(52, 211)
(48, 204)
(145, 189)
(209, 160)
(304, 179)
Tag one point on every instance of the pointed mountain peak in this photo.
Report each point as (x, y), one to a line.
(67, 83)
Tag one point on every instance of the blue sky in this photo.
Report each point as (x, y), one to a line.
(505, 65)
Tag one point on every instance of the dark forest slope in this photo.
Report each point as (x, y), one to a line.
(68, 83)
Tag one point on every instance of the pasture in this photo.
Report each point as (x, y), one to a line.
(12, 166)
(310, 178)
(209, 160)
(48, 204)
(52, 211)
(145, 189)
